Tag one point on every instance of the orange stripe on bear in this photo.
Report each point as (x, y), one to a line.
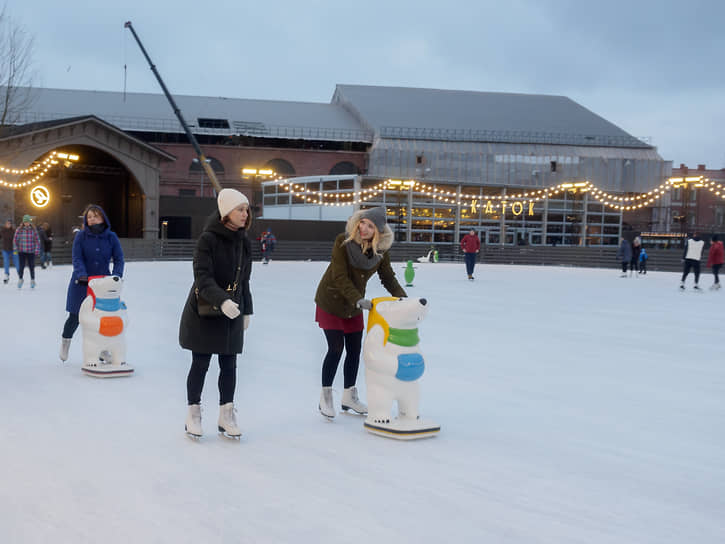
(111, 326)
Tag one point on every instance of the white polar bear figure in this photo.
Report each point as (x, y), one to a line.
(103, 321)
(393, 367)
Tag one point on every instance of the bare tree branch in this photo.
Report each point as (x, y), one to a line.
(16, 70)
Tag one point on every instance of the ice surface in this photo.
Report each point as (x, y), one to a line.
(575, 405)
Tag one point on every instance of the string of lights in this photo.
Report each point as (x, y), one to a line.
(618, 202)
(41, 167)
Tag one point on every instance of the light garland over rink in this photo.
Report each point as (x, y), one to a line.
(40, 167)
(329, 198)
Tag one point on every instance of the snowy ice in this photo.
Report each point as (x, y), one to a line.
(576, 407)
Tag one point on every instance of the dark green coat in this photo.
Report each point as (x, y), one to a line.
(342, 285)
(216, 257)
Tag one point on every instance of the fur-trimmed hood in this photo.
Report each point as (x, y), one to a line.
(386, 237)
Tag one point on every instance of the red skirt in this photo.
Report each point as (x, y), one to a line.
(332, 322)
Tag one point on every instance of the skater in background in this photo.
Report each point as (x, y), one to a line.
(358, 253)
(267, 243)
(222, 266)
(636, 249)
(471, 245)
(7, 232)
(27, 244)
(624, 254)
(94, 247)
(692, 256)
(46, 245)
(643, 261)
(715, 259)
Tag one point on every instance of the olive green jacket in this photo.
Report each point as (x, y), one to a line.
(342, 285)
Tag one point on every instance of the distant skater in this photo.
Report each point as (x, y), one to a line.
(624, 254)
(692, 255)
(715, 260)
(471, 245)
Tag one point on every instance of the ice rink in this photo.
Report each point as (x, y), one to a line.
(576, 407)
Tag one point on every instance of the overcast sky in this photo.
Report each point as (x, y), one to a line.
(654, 68)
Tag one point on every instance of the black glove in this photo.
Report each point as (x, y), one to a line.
(83, 280)
(364, 304)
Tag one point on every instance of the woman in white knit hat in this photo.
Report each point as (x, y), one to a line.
(358, 253)
(222, 265)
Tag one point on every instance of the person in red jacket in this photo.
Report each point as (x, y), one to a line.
(715, 259)
(470, 245)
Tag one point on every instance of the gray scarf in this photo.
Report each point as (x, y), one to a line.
(361, 260)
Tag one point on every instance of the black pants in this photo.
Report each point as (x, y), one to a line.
(28, 258)
(643, 266)
(71, 324)
(470, 259)
(336, 341)
(624, 267)
(695, 266)
(197, 374)
(716, 272)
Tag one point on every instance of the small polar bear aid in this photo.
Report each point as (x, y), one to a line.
(393, 367)
(103, 321)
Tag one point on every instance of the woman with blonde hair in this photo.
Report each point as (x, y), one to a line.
(357, 254)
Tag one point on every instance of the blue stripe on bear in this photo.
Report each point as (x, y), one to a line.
(410, 367)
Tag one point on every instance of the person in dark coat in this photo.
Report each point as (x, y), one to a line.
(221, 249)
(9, 254)
(358, 253)
(46, 239)
(94, 247)
(624, 254)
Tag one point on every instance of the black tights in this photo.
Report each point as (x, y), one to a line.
(336, 341)
(71, 324)
(197, 373)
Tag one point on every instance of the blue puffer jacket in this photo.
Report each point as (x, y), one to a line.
(92, 254)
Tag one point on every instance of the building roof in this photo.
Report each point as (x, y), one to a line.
(146, 112)
(435, 114)
(9, 132)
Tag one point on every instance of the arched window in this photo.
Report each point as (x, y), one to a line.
(195, 166)
(342, 168)
(281, 167)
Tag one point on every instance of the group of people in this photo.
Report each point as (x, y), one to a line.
(222, 266)
(633, 256)
(21, 246)
(692, 255)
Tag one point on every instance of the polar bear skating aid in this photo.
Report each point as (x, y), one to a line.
(103, 322)
(393, 367)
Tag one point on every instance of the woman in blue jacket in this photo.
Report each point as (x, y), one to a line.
(93, 248)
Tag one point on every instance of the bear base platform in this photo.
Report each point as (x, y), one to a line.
(403, 429)
(107, 370)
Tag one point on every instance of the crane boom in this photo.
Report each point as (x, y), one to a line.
(202, 159)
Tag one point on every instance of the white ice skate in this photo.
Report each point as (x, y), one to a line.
(326, 407)
(351, 401)
(228, 421)
(6, 279)
(193, 421)
(64, 347)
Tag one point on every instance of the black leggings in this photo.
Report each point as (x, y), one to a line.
(695, 266)
(197, 373)
(716, 272)
(71, 324)
(336, 341)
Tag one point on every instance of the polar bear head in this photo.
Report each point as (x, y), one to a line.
(397, 313)
(105, 287)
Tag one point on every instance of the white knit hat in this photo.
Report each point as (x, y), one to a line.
(228, 199)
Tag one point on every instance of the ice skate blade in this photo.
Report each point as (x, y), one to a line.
(192, 436)
(403, 429)
(225, 434)
(328, 418)
(349, 410)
